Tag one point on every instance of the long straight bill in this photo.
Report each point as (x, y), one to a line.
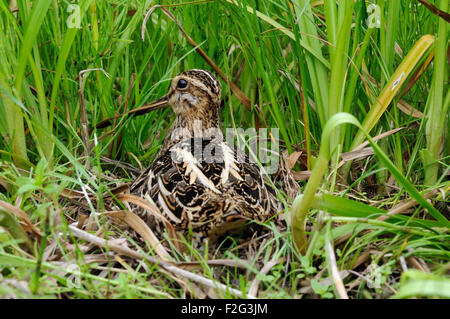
(155, 105)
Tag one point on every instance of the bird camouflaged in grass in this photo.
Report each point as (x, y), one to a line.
(201, 185)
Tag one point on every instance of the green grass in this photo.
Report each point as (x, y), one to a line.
(381, 222)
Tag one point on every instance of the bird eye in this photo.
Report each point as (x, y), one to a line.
(182, 84)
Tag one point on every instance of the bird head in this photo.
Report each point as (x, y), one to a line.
(193, 95)
(194, 91)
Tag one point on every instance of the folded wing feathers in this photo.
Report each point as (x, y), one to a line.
(166, 209)
(229, 164)
(162, 189)
(192, 164)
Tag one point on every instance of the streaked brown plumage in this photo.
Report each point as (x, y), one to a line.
(198, 181)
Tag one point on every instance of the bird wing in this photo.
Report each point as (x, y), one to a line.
(206, 186)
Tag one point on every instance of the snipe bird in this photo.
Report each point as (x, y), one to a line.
(202, 185)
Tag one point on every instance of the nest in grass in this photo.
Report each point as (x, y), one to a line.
(132, 243)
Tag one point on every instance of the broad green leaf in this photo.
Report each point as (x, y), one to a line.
(9, 222)
(415, 283)
(394, 85)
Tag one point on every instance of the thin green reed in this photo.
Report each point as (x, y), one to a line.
(317, 70)
(388, 50)
(339, 64)
(438, 105)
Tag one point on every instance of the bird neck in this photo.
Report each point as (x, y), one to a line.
(188, 126)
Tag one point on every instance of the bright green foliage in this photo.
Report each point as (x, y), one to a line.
(307, 67)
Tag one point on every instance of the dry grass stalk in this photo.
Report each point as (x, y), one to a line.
(264, 271)
(340, 288)
(78, 233)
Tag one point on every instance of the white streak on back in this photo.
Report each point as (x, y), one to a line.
(229, 164)
(192, 167)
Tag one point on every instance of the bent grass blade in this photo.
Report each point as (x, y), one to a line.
(303, 203)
